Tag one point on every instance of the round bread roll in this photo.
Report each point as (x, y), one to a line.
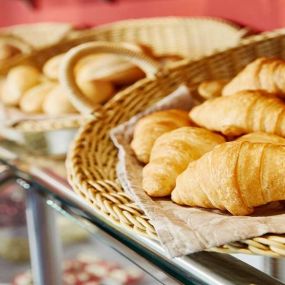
(97, 91)
(51, 67)
(57, 102)
(19, 80)
(8, 51)
(108, 67)
(33, 99)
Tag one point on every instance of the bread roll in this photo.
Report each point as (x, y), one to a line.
(33, 99)
(97, 91)
(108, 67)
(51, 67)
(57, 102)
(18, 81)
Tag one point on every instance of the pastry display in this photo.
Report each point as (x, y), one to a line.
(150, 127)
(98, 76)
(211, 88)
(198, 167)
(241, 113)
(171, 154)
(263, 73)
(234, 176)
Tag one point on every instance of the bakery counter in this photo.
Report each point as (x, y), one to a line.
(48, 192)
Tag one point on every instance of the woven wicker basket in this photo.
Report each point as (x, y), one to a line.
(184, 36)
(92, 160)
(188, 37)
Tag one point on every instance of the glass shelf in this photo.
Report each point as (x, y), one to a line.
(46, 188)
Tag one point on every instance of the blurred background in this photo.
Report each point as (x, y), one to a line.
(258, 14)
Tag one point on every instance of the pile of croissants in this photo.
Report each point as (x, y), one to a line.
(227, 153)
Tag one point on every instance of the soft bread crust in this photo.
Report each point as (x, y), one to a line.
(152, 126)
(51, 67)
(18, 81)
(171, 154)
(108, 67)
(234, 176)
(97, 92)
(33, 99)
(57, 102)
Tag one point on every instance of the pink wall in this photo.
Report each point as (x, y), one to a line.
(259, 14)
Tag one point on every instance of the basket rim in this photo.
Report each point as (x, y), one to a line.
(150, 20)
(76, 170)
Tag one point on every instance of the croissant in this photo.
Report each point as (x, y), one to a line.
(260, 137)
(171, 154)
(149, 128)
(244, 112)
(234, 176)
(263, 73)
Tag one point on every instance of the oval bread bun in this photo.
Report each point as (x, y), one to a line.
(107, 67)
(57, 103)
(33, 99)
(97, 91)
(19, 80)
(51, 67)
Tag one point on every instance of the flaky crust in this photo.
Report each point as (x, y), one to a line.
(263, 73)
(261, 137)
(171, 154)
(244, 112)
(149, 128)
(234, 176)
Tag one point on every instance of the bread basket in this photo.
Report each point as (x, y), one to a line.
(165, 36)
(92, 160)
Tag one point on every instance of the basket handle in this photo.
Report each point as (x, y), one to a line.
(127, 51)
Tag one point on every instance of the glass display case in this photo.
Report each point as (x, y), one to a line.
(47, 192)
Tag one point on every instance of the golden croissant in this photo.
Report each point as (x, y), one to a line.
(244, 112)
(260, 137)
(234, 176)
(171, 154)
(263, 73)
(149, 128)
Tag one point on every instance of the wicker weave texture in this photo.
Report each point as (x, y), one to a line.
(92, 160)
